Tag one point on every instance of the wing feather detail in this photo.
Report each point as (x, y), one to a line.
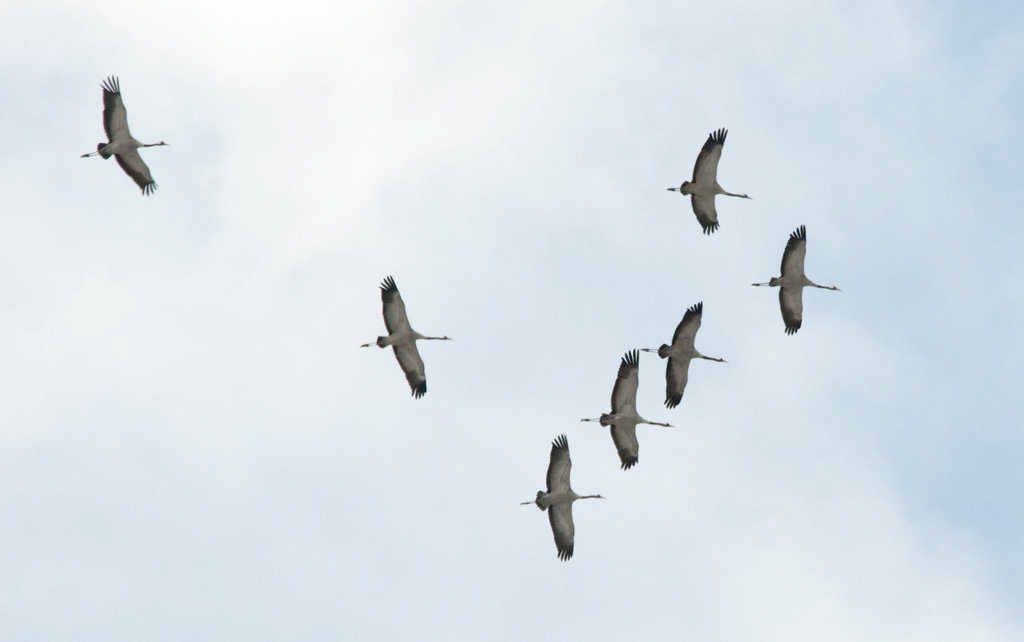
(793, 256)
(791, 302)
(624, 391)
(705, 170)
(133, 166)
(626, 444)
(560, 516)
(560, 465)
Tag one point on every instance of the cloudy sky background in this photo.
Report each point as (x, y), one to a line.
(193, 447)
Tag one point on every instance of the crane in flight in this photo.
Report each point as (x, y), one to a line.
(680, 353)
(559, 498)
(793, 281)
(704, 186)
(120, 142)
(402, 338)
(623, 418)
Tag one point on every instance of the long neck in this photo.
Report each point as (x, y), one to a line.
(641, 420)
(698, 355)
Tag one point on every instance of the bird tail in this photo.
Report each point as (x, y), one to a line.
(99, 148)
(382, 342)
(542, 504)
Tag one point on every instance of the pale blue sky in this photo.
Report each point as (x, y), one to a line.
(193, 447)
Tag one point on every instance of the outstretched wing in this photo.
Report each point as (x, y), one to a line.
(686, 331)
(559, 466)
(627, 445)
(132, 164)
(115, 118)
(678, 369)
(624, 391)
(562, 528)
(793, 256)
(394, 309)
(705, 170)
(791, 301)
(676, 373)
(704, 209)
(409, 358)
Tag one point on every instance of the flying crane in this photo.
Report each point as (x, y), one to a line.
(704, 186)
(402, 338)
(559, 498)
(120, 142)
(793, 281)
(623, 418)
(680, 353)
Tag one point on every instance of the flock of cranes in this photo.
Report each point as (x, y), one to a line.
(623, 418)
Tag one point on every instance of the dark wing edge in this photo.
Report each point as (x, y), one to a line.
(710, 153)
(798, 237)
(704, 210)
(393, 307)
(563, 529)
(142, 177)
(112, 103)
(693, 315)
(626, 445)
(559, 465)
(412, 365)
(387, 285)
(792, 306)
(628, 375)
(676, 375)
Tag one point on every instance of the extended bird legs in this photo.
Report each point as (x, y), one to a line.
(696, 356)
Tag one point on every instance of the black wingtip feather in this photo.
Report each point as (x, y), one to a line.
(111, 85)
(697, 308)
(388, 284)
(419, 390)
(631, 358)
(800, 234)
(672, 402)
(719, 136)
(565, 554)
(629, 462)
(560, 442)
(710, 228)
